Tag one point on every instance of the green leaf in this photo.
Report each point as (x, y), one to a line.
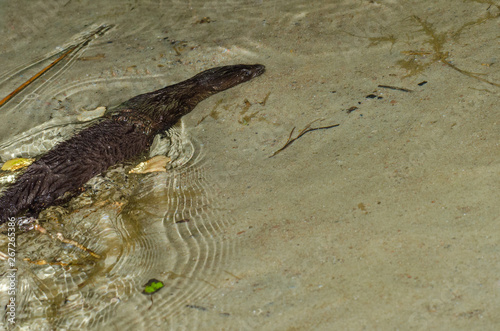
(153, 286)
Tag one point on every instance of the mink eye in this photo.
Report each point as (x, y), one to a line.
(246, 72)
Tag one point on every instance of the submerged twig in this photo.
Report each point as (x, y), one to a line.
(467, 73)
(32, 79)
(65, 53)
(395, 88)
(305, 130)
(60, 237)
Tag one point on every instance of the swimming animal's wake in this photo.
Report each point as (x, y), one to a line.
(167, 226)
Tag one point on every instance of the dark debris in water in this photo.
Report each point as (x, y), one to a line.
(196, 307)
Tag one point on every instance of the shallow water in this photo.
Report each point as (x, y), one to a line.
(389, 221)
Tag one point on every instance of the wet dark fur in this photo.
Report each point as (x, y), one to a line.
(124, 133)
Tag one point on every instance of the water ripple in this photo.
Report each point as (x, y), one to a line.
(165, 226)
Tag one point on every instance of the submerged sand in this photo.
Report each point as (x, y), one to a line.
(388, 221)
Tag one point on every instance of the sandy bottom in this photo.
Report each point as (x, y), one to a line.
(389, 221)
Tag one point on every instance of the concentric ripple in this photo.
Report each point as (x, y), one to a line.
(87, 264)
(163, 226)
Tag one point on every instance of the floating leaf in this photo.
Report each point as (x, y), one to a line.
(155, 164)
(152, 286)
(88, 115)
(18, 163)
